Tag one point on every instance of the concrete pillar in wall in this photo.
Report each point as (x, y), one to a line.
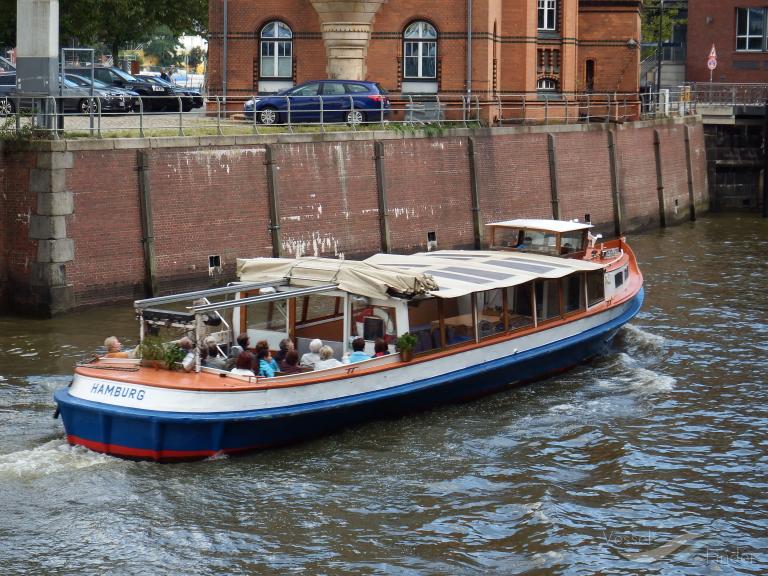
(346, 27)
(49, 291)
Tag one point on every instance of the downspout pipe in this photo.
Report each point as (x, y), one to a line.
(469, 50)
(226, 46)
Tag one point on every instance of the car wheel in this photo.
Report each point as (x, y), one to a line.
(355, 117)
(268, 116)
(87, 106)
(6, 107)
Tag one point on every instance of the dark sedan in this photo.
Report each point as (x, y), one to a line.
(154, 97)
(350, 101)
(189, 98)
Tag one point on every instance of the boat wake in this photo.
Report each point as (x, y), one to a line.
(49, 458)
(638, 342)
(628, 374)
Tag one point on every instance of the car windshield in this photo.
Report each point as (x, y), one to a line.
(124, 75)
(158, 80)
(83, 81)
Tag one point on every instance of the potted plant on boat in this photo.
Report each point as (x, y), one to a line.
(152, 352)
(173, 355)
(405, 343)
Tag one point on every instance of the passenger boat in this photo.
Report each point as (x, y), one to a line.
(544, 298)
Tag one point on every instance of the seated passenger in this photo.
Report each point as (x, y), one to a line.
(264, 345)
(114, 348)
(244, 341)
(326, 359)
(210, 354)
(264, 359)
(243, 364)
(358, 345)
(286, 344)
(310, 358)
(186, 344)
(290, 364)
(380, 348)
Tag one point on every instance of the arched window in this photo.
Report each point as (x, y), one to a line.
(276, 50)
(420, 51)
(546, 85)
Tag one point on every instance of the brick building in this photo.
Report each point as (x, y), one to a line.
(739, 31)
(536, 47)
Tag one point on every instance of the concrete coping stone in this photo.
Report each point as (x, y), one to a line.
(232, 140)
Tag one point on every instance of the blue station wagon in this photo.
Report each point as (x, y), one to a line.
(350, 101)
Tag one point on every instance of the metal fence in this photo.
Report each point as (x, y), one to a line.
(220, 115)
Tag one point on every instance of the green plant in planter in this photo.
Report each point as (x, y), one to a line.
(152, 349)
(405, 344)
(173, 355)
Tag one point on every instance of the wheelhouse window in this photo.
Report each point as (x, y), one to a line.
(420, 51)
(276, 50)
(750, 29)
(547, 14)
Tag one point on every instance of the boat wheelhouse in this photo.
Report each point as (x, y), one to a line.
(482, 321)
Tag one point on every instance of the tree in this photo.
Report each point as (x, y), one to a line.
(195, 57)
(115, 22)
(163, 45)
(670, 17)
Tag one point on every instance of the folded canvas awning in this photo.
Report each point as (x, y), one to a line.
(353, 276)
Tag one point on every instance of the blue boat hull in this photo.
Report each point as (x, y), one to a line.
(165, 436)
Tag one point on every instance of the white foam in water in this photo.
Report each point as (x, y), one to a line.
(649, 382)
(49, 458)
(635, 336)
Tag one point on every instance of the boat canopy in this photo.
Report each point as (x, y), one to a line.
(443, 273)
(559, 226)
(460, 272)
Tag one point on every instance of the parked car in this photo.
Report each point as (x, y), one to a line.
(154, 97)
(130, 98)
(190, 98)
(75, 97)
(350, 101)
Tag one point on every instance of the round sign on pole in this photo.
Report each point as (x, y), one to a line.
(712, 63)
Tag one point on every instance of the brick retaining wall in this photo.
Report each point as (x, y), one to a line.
(73, 225)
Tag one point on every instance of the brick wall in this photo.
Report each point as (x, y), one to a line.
(17, 204)
(210, 196)
(597, 30)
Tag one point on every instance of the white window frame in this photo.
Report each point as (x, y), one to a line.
(547, 15)
(745, 35)
(269, 36)
(546, 85)
(422, 47)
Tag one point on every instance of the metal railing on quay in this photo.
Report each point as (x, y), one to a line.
(146, 116)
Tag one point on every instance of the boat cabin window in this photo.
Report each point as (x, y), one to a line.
(490, 312)
(573, 292)
(459, 325)
(520, 306)
(507, 237)
(540, 242)
(320, 316)
(547, 299)
(595, 287)
(618, 278)
(372, 322)
(571, 242)
(265, 321)
(424, 323)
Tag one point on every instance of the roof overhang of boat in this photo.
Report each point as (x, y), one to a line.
(558, 226)
(461, 272)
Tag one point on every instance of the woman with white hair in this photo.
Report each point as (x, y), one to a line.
(326, 359)
(310, 358)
